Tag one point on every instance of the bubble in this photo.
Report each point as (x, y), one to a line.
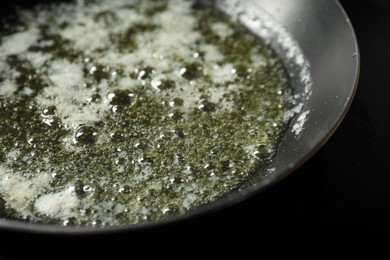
(86, 135)
(164, 84)
(125, 189)
(95, 98)
(145, 73)
(121, 97)
(176, 115)
(176, 102)
(48, 111)
(191, 71)
(117, 136)
(206, 105)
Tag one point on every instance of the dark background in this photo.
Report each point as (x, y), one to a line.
(336, 205)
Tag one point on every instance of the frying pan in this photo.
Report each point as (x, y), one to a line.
(317, 44)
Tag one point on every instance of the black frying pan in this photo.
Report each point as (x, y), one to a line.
(326, 38)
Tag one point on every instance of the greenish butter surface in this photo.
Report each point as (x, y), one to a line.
(119, 112)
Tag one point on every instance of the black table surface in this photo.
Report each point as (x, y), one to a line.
(337, 204)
